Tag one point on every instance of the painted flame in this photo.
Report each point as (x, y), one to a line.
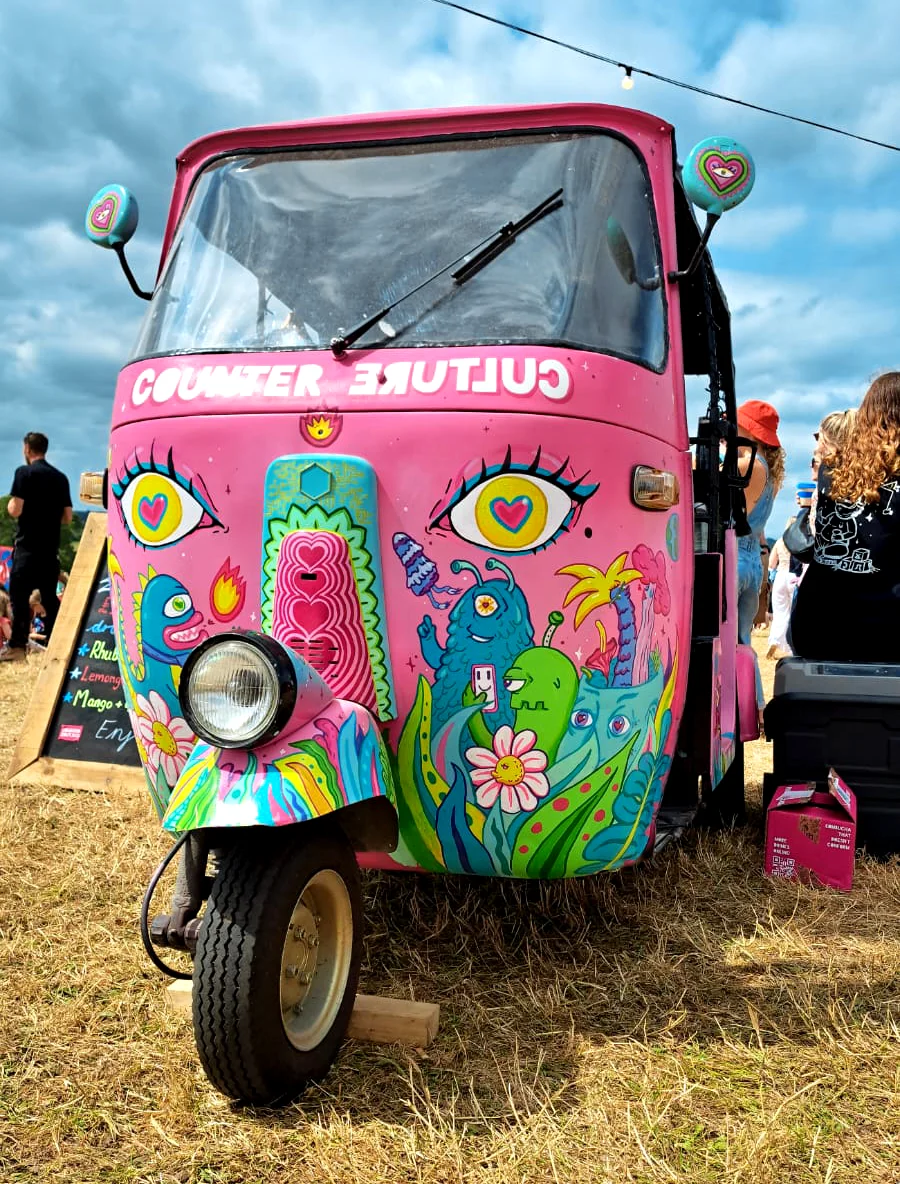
(320, 427)
(226, 596)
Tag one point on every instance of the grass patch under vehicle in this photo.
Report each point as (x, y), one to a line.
(686, 1020)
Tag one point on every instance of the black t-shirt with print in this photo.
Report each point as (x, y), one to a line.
(848, 603)
(44, 491)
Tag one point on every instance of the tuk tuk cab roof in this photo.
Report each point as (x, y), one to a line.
(641, 127)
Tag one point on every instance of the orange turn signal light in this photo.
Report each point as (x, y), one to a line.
(90, 489)
(654, 489)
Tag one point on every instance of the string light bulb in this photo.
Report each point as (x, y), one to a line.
(627, 81)
(699, 90)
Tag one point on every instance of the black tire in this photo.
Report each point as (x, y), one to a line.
(242, 982)
(725, 806)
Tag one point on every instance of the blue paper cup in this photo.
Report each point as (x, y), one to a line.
(805, 491)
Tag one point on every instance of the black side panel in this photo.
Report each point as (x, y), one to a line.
(692, 754)
(707, 607)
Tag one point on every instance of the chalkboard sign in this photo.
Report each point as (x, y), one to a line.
(91, 722)
(77, 733)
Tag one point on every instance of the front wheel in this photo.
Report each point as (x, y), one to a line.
(277, 964)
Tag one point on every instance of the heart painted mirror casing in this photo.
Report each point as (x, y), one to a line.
(718, 174)
(112, 216)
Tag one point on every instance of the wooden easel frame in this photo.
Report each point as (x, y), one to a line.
(28, 766)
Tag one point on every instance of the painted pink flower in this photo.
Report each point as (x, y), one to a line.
(653, 577)
(166, 738)
(601, 658)
(513, 771)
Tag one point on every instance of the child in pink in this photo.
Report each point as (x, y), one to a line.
(5, 622)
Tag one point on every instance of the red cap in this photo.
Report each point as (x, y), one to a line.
(759, 420)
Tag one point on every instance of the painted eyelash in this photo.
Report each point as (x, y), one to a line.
(126, 476)
(576, 489)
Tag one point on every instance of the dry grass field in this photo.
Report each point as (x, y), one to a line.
(683, 1021)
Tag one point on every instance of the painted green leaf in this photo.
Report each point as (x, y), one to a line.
(496, 842)
(549, 842)
(462, 851)
(633, 811)
(421, 787)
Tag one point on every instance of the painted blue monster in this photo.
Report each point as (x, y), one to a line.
(489, 626)
(170, 625)
(168, 628)
(601, 721)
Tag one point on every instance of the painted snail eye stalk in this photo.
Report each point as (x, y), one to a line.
(553, 623)
(493, 564)
(458, 565)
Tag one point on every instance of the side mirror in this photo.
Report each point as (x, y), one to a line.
(623, 256)
(717, 176)
(110, 221)
(112, 217)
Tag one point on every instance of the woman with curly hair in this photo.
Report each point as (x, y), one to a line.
(856, 562)
(833, 434)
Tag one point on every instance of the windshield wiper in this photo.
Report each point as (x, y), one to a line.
(484, 253)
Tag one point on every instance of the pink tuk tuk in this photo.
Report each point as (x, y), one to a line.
(414, 565)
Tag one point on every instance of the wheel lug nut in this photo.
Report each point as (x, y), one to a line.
(291, 971)
(305, 978)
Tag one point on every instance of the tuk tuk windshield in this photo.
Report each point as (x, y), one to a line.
(283, 250)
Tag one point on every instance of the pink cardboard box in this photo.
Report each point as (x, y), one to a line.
(811, 833)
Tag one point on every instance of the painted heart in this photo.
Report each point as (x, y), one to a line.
(512, 515)
(725, 172)
(151, 511)
(311, 554)
(309, 616)
(102, 215)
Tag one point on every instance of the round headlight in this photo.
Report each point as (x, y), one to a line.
(237, 691)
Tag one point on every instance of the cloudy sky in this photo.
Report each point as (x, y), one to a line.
(810, 263)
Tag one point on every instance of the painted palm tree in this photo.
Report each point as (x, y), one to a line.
(595, 588)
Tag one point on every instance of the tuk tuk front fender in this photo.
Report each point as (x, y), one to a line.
(336, 761)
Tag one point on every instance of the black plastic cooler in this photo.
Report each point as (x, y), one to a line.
(847, 717)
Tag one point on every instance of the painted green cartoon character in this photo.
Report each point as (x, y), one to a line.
(542, 685)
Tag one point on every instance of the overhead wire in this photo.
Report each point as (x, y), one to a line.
(689, 86)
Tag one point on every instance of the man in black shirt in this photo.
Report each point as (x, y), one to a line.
(41, 502)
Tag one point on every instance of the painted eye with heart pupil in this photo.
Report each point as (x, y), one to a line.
(581, 719)
(485, 606)
(177, 606)
(159, 505)
(512, 507)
